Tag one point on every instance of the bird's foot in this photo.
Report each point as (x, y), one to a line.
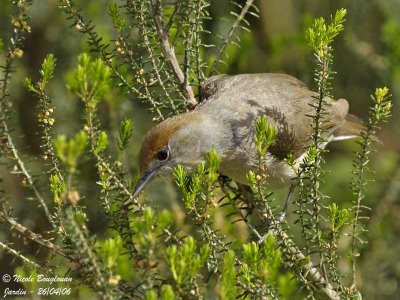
(281, 217)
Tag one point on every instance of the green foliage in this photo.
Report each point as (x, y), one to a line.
(47, 70)
(337, 217)
(260, 270)
(101, 143)
(252, 179)
(201, 182)
(118, 20)
(311, 155)
(80, 246)
(151, 295)
(116, 261)
(265, 135)
(70, 151)
(264, 139)
(311, 214)
(46, 73)
(379, 112)
(58, 188)
(320, 35)
(181, 179)
(111, 249)
(228, 289)
(90, 81)
(125, 133)
(147, 230)
(381, 109)
(167, 293)
(185, 262)
(264, 262)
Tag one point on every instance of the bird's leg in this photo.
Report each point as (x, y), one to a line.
(282, 217)
(248, 197)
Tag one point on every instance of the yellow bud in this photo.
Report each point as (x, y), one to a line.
(73, 197)
(17, 53)
(114, 280)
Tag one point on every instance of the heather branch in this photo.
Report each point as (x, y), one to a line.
(294, 258)
(169, 55)
(87, 255)
(86, 28)
(230, 36)
(152, 58)
(320, 36)
(380, 112)
(35, 237)
(14, 252)
(146, 85)
(14, 51)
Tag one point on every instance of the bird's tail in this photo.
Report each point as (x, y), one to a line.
(351, 128)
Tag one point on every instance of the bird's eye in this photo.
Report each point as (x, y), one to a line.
(162, 155)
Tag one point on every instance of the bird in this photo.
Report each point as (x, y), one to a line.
(225, 121)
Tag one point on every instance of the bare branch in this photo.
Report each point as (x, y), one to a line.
(14, 252)
(169, 55)
(35, 237)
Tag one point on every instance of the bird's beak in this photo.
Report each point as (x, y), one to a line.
(144, 179)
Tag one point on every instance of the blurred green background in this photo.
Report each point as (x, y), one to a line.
(367, 55)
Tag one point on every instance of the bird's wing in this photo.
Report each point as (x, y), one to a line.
(212, 85)
(242, 99)
(292, 116)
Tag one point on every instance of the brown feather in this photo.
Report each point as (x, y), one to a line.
(157, 139)
(352, 126)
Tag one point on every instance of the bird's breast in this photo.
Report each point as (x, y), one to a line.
(238, 166)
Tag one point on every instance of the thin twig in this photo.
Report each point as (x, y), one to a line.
(171, 19)
(35, 237)
(26, 173)
(15, 40)
(309, 273)
(19, 255)
(95, 42)
(148, 96)
(230, 35)
(153, 62)
(169, 55)
(86, 249)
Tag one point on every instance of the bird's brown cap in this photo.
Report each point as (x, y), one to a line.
(157, 139)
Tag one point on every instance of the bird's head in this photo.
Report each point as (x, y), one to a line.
(175, 141)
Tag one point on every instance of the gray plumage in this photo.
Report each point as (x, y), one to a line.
(226, 121)
(238, 101)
